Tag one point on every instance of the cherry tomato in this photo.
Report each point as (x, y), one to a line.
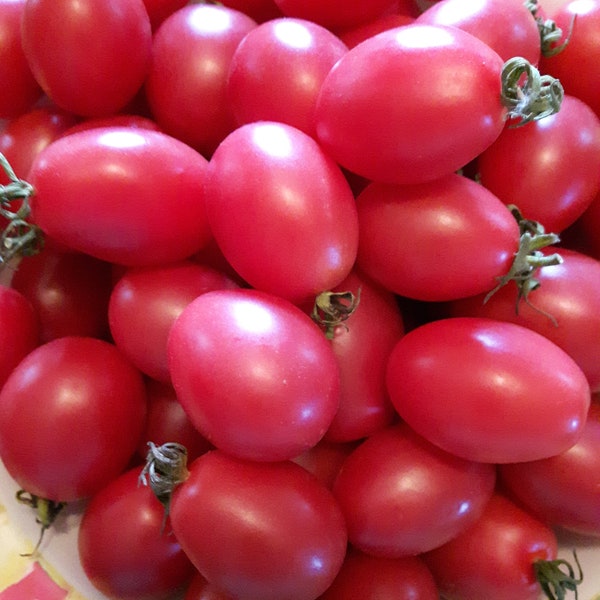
(129, 196)
(295, 56)
(411, 104)
(201, 589)
(352, 37)
(281, 211)
(526, 166)
(125, 549)
(401, 495)
(439, 240)
(254, 374)
(187, 83)
(259, 531)
(71, 414)
(90, 57)
(521, 398)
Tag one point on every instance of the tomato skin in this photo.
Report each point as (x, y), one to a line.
(200, 589)
(563, 490)
(364, 577)
(133, 197)
(355, 35)
(402, 496)
(144, 304)
(260, 531)
(516, 378)
(19, 330)
(269, 186)
(90, 58)
(79, 407)
(493, 559)
(426, 241)
(159, 10)
(122, 548)
(430, 125)
(526, 166)
(186, 87)
(255, 375)
(568, 293)
(294, 53)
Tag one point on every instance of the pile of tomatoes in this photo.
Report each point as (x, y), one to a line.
(303, 297)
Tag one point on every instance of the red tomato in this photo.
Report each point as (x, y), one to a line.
(565, 309)
(122, 546)
(526, 166)
(90, 57)
(421, 241)
(281, 211)
(563, 490)
(295, 56)
(494, 558)
(20, 87)
(69, 291)
(159, 10)
(507, 26)
(145, 303)
(19, 330)
(120, 120)
(259, 531)
(364, 577)
(401, 495)
(129, 196)
(443, 112)
(254, 374)
(488, 390)
(354, 36)
(71, 414)
(200, 589)
(186, 85)
(259, 10)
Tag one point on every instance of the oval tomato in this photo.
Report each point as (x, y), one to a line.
(129, 196)
(255, 375)
(520, 398)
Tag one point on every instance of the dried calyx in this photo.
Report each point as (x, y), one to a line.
(332, 309)
(556, 581)
(550, 33)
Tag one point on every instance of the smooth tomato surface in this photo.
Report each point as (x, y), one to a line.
(521, 397)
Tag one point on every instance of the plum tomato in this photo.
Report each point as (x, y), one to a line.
(488, 390)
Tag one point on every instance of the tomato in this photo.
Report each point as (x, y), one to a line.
(439, 240)
(565, 309)
(120, 120)
(19, 330)
(187, 81)
(295, 56)
(69, 291)
(129, 196)
(123, 548)
(144, 304)
(200, 589)
(507, 26)
(494, 558)
(260, 531)
(281, 211)
(444, 110)
(159, 10)
(364, 577)
(254, 374)
(90, 57)
(521, 398)
(71, 414)
(563, 490)
(526, 166)
(259, 10)
(21, 88)
(402, 496)
(352, 37)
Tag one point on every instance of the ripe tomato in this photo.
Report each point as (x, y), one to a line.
(401, 495)
(295, 56)
(281, 211)
(521, 398)
(352, 37)
(122, 546)
(444, 239)
(71, 414)
(129, 196)
(254, 373)
(187, 82)
(259, 531)
(201, 589)
(90, 57)
(442, 110)
(493, 559)
(159, 10)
